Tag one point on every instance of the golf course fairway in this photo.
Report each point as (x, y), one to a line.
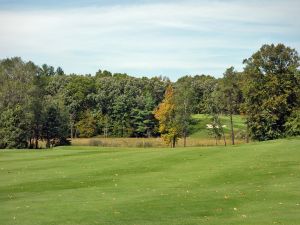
(257, 183)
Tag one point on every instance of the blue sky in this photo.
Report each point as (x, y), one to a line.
(145, 38)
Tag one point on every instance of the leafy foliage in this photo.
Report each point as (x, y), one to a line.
(292, 125)
(165, 114)
(54, 127)
(87, 126)
(271, 90)
(14, 128)
(40, 103)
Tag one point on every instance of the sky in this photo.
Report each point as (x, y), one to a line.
(145, 38)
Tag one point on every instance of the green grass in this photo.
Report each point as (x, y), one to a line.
(249, 184)
(199, 130)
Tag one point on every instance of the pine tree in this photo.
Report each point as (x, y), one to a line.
(14, 131)
(54, 127)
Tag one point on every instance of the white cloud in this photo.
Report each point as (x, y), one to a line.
(191, 37)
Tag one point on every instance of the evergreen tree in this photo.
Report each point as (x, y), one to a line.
(143, 120)
(54, 127)
(14, 131)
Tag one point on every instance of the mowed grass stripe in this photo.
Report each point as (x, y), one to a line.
(248, 184)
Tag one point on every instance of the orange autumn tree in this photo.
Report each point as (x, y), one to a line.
(165, 113)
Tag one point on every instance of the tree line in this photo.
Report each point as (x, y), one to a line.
(42, 103)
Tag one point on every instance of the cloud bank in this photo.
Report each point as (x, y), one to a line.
(172, 39)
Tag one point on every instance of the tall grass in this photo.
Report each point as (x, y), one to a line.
(146, 142)
(199, 136)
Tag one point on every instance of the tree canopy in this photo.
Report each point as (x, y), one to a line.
(271, 90)
(43, 103)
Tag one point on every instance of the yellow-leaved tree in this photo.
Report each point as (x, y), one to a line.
(165, 113)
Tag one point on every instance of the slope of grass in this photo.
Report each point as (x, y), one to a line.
(199, 129)
(248, 184)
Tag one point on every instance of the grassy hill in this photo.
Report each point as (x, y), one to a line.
(199, 129)
(249, 184)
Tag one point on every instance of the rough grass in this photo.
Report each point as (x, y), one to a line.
(199, 136)
(147, 142)
(249, 184)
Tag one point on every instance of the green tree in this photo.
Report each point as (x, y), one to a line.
(59, 71)
(143, 121)
(77, 98)
(184, 104)
(14, 131)
(127, 104)
(55, 130)
(271, 90)
(101, 74)
(213, 107)
(202, 86)
(292, 124)
(230, 96)
(87, 125)
(36, 108)
(16, 79)
(47, 70)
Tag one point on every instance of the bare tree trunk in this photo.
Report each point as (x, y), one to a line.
(223, 134)
(174, 141)
(184, 139)
(105, 131)
(71, 129)
(247, 133)
(30, 142)
(36, 146)
(224, 138)
(71, 126)
(232, 131)
(76, 133)
(148, 133)
(185, 124)
(48, 143)
(36, 136)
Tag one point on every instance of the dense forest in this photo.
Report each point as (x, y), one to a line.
(42, 103)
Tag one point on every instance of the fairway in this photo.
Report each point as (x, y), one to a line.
(258, 183)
